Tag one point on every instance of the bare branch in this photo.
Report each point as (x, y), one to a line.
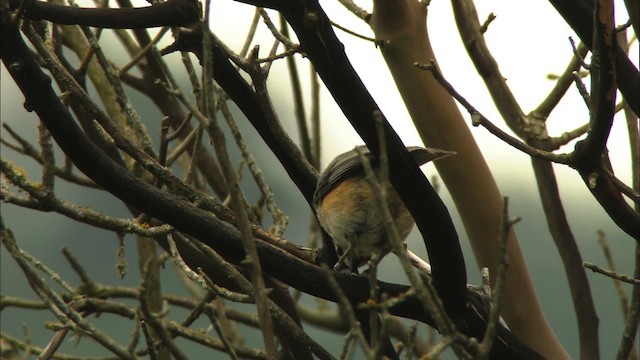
(612, 274)
(478, 119)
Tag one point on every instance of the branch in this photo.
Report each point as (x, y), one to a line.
(612, 274)
(40, 200)
(578, 14)
(628, 340)
(567, 247)
(169, 13)
(29, 150)
(470, 31)
(560, 88)
(497, 293)
(588, 154)
(478, 119)
(603, 81)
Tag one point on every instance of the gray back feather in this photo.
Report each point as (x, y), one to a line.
(349, 164)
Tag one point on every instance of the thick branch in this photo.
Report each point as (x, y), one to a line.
(588, 154)
(603, 81)
(578, 14)
(571, 258)
(169, 13)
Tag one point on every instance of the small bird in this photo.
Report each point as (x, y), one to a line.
(347, 209)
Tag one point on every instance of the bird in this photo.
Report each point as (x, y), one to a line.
(347, 210)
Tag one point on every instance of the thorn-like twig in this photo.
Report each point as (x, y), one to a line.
(582, 89)
(574, 48)
(485, 25)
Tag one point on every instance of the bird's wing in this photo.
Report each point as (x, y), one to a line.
(343, 166)
(349, 163)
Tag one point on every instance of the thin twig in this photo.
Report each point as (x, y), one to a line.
(87, 281)
(275, 32)
(606, 250)
(315, 118)
(355, 9)
(478, 119)
(612, 274)
(560, 88)
(351, 32)
(48, 160)
(250, 34)
(186, 143)
(624, 188)
(47, 270)
(54, 344)
(134, 60)
(411, 340)
(222, 292)
(280, 220)
(183, 125)
(156, 319)
(627, 343)
(348, 339)
(151, 349)
(29, 150)
(578, 55)
(29, 348)
(582, 89)
(438, 348)
(229, 348)
(282, 55)
(346, 309)
(497, 292)
(266, 68)
(84, 65)
(198, 337)
(48, 202)
(298, 102)
(195, 277)
(567, 137)
(190, 174)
